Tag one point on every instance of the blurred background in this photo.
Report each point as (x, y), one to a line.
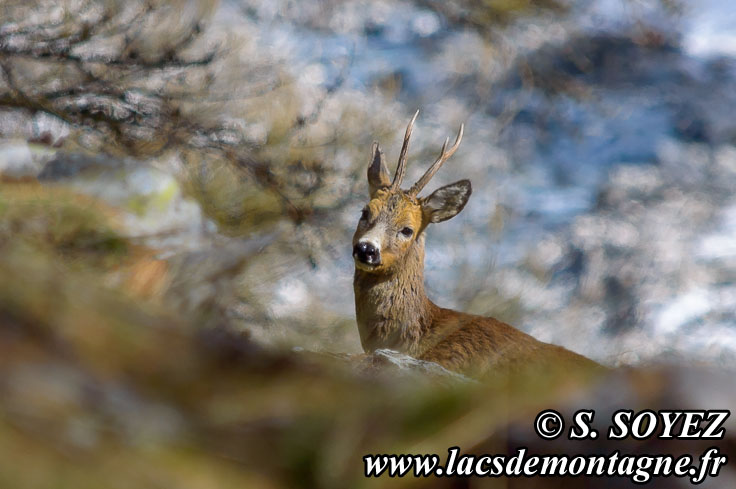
(179, 184)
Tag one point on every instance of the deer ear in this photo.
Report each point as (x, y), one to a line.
(378, 177)
(446, 202)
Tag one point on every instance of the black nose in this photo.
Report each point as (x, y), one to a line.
(367, 253)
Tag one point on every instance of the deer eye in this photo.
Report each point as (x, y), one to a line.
(364, 215)
(407, 232)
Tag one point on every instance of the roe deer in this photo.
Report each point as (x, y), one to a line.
(391, 306)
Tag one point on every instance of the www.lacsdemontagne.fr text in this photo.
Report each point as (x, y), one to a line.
(639, 468)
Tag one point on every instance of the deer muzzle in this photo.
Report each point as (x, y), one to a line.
(367, 253)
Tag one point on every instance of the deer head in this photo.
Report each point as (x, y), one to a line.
(394, 220)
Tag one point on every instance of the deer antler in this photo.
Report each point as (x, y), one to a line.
(401, 168)
(444, 156)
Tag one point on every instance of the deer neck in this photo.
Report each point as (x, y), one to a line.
(392, 309)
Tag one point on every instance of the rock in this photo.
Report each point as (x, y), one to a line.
(384, 362)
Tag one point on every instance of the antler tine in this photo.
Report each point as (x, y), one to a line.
(401, 167)
(445, 154)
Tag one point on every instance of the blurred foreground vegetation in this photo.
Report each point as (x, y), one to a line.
(158, 176)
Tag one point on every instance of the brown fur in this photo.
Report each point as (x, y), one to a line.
(393, 311)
